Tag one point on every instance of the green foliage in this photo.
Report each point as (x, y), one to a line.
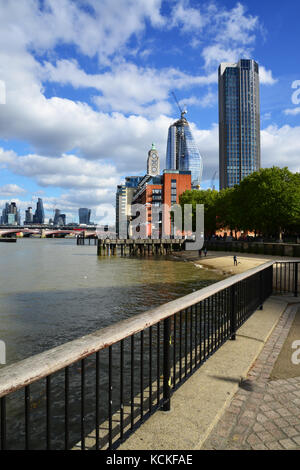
(267, 201)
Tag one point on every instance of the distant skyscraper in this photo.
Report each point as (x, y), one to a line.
(239, 121)
(10, 214)
(182, 151)
(84, 216)
(59, 219)
(39, 216)
(28, 216)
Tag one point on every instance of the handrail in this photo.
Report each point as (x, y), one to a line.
(27, 371)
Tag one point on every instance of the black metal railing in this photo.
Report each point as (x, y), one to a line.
(93, 392)
(286, 277)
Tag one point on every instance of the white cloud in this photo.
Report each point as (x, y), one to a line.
(266, 77)
(206, 101)
(281, 147)
(187, 18)
(11, 190)
(126, 87)
(67, 171)
(95, 28)
(292, 111)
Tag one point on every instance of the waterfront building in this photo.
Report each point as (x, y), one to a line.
(39, 216)
(153, 191)
(124, 197)
(10, 215)
(239, 121)
(182, 151)
(84, 216)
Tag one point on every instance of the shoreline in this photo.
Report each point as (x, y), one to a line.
(222, 262)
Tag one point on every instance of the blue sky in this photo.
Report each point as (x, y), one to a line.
(85, 88)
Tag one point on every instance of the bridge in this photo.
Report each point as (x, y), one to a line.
(46, 233)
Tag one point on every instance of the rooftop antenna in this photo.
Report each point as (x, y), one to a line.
(182, 111)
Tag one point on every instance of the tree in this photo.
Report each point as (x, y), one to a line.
(269, 201)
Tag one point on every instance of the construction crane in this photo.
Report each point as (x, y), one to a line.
(213, 180)
(182, 112)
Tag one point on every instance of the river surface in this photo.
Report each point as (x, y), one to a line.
(53, 291)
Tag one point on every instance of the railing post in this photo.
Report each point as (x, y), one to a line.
(233, 313)
(296, 280)
(167, 365)
(261, 293)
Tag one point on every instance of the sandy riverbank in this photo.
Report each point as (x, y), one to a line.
(223, 261)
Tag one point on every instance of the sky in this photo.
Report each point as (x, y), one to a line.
(85, 88)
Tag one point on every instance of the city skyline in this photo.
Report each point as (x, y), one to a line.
(11, 215)
(79, 113)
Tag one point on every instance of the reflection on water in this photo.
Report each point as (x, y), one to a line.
(53, 291)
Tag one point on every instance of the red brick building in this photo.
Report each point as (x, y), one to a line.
(153, 191)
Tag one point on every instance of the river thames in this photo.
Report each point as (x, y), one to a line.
(53, 291)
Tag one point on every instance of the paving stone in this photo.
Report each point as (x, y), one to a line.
(277, 433)
(297, 440)
(267, 417)
(272, 414)
(261, 418)
(274, 445)
(281, 422)
(290, 431)
(283, 412)
(258, 427)
(287, 444)
(265, 436)
(253, 439)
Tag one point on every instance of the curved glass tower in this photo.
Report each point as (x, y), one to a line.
(182, 151)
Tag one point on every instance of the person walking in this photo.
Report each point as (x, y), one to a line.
(205, 251)
(235, 260)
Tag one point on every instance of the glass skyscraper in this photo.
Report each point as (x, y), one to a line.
(39, 216)
(84, 215)
(182, 151)
(239, 121)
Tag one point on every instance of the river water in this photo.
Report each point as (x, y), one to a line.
(53, 291)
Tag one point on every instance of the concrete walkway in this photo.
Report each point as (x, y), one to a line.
(198, 405)
(265, 412)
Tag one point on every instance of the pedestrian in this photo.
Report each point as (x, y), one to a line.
(235, 260)
(205, 251)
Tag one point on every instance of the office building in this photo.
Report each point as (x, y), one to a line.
(28, 216)
(10, 214)
(182, 151)
(59, 218)
(84, 215)
(124, 197)
(239, 121)
(39, 216)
